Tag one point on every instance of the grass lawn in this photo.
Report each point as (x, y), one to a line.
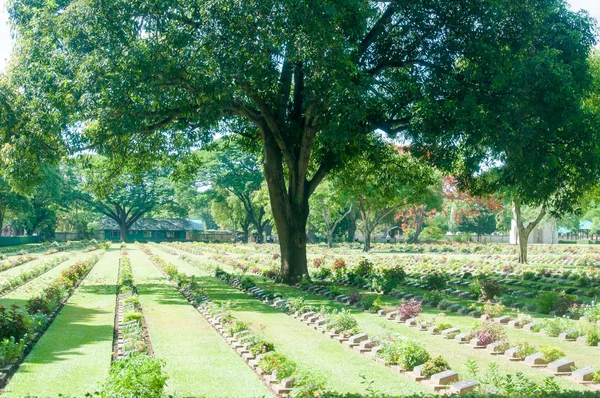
(456, 354)
(73, 356)
(199, 361)
(311, 350)
(23, 293)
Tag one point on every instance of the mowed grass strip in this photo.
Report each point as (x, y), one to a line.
(74, 355)
(456, 354)
(199, 362)
(341, 367)
(23, 293)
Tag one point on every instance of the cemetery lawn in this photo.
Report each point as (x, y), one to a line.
(455, 354)
(312, 351)
(74, 355)
(199, 362)
(23, 293)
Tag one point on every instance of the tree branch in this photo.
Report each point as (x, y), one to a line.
(376, 30)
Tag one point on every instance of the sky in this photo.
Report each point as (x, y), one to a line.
(592, 6)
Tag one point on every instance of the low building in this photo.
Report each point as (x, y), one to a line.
(153, 230)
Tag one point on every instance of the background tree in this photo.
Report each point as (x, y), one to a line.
(148, 80)
(38, 211)
(130, 197)
(228, 211)
(425, 205)
(541, 146)
(237, 171)
(378, 184)
(330, 208)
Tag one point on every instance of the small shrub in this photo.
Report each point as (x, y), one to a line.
(444, 304)
(524, 349)
(490, 332)
(435, 281)
(260, 346)
(342, 322)
(409, 309)
(339, 266)
(307, 384)
(434, 366)
(433, 297)
(317, 262)
(364, 268)
(132, 316)
(274, 361)
(490, 289)
(247, 282)
(494, 310)
(592, 338)
(322, 273)
(564, 303)
(135, 376)
(355, 296)
(546, 302)
(551, 354)
(406, 353)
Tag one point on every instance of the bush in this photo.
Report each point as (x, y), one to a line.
(247, 283)
(592, 337)
(490, 289)
(494, 310)
(409, 309)
(11, 349)
(307, 384)
(14, 322)
(444, 304)
(260, 346)
(435, 281)
(551, 354)
(475, 288)
(524, 349)
(564, 303)
(339, 267)
(274, 361)
(322, 273)
(555, 326)
(434, 366)
(342, 322)
(433, 297)
(364, 268)
(135, 376)
(546, 302)
(490, 332)
(317, 262)
(131, 316)
(406, 353)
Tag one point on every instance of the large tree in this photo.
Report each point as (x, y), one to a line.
(310, 81)
(531, 136)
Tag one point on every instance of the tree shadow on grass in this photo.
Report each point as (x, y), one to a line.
(167, 294)
(68, 333)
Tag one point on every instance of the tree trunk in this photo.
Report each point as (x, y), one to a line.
(330, 238)
(351, 226)
(123, 232)
(524, 231)
(290, 213)
(367, 245)
(523, 238)
(419, 216)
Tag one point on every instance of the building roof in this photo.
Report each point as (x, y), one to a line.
(155, 224)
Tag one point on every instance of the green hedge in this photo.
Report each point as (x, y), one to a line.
(18, 240)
